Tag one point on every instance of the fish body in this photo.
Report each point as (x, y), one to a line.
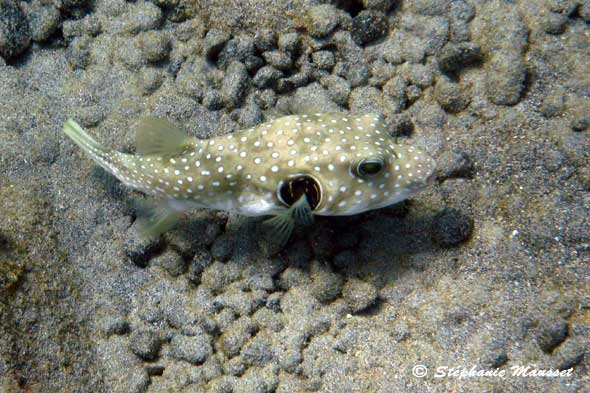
(336, 164)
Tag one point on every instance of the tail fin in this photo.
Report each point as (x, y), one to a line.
(102, 155)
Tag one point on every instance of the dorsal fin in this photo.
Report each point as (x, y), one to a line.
(159, 136)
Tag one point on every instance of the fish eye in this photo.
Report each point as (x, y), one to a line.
(369, 167)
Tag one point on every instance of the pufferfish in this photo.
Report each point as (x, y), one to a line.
(292, 168)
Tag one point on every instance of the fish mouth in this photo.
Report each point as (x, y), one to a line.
(291, 189)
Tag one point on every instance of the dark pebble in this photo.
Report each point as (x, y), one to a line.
(368, 26)
(258, 351)
(554, 23)
(570, 354)
(289, 42)
(265, 40)
(359, 295)
(454, 57)
(462, 10)
(212, 100)
(195, 349)
(138, 248)
(326, 285)
(550, 333)
(146, 345)
(278, 59)
(266, 77)
(495, 356)
(265, 99)
(44, 21)
(15, 34)
(253, 63)
(200, 262)
(214, 42)
(338, 88)
(452, 164)
(171, 262)
(506, 74)
(114, 324)
(293, 277)
(78, 52)
(222, 248)
(553, 104)
(451, 227)
(155, 369)
(413, 93)
(323, 59)
(234, 84)
(450, 96)
(321, 20)
(250, 115)
(237, 49)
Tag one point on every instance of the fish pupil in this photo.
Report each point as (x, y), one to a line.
(369, 167)
(291, 190)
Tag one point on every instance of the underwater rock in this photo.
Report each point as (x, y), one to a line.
(326, 285)
(323, 59)
(234, 84)
(451, 227)
(43, 21)
(550, 333)
(15, 34)
(368, 26)
(146, 345)
(138, 248)
(266, 77)
(321, 20)
(171, 262)
(359, 295)
(289, 42)
(193, 349)
(450, 96)
(505, 77)
(454, 57)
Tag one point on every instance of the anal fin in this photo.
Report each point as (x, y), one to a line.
(158, 219)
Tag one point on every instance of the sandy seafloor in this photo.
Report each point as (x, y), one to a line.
(488, 269)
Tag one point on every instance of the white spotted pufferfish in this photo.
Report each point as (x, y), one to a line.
(293, 167)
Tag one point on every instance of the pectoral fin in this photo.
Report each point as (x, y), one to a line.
(301, 211)
(282, 225)
(159, 136)
(158, 219)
